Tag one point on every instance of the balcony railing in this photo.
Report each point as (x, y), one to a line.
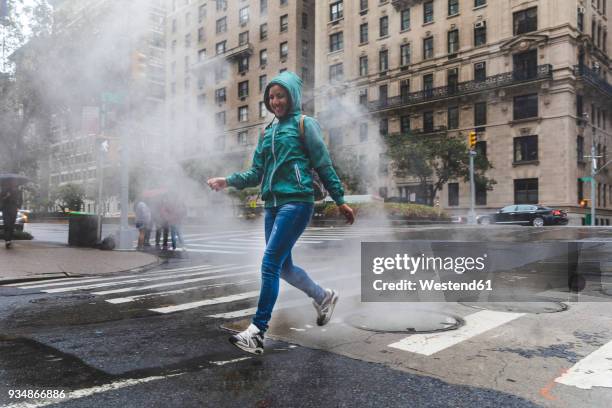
(463, 88)
(246, 49)
(593, 77)
(402, 4)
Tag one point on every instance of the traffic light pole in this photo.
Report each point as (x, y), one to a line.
(593, 173)
(472, 213)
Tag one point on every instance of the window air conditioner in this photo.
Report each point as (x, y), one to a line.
(581, 10)
(479, 65)
(480, 24)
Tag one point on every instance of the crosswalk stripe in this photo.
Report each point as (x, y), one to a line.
(178, 282)
(65, 282)
(595, 370)
(229, 245)
(214, 251)
(207, 302)
(475, 324)
(141, 279)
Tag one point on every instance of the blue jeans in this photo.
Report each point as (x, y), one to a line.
(284, 225)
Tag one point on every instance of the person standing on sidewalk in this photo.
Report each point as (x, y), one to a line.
(143, 223)
(281, 164)
(10, 201)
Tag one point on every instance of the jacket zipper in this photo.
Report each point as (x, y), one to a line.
(274, 166)
(297, 175)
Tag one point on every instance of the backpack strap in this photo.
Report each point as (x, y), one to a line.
(302, 133)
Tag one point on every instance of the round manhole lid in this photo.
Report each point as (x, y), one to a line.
(520, 307)
(409, 321)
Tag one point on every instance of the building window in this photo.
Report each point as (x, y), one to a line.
(174, 25)
(453, 42)
(284, 50)
(221, 5)
(363, 132)
(525, 106)
(263, 6)
(428, 48)
(480, 72)
(383, 127)
(201, 36)
(336, 42)
(363, 33)
(243, 64)
(336, 11)
(220, 95)
(453, 194)
(201, 13)
(481, 193)
(243, 17)
(187, 40)
(525, 21)
(405, 55)
(580, 149)
(220, 118)
(243, 38)
(383, 93)
(428, 82)
(383, 60)
(243, 114)
(428, 121)
(404, 89)
(363, 96)
(284, 23)
(478, 3)
(363, 65)
(263, 58)
(405, 20)
(221, 25)
(304, 21)
(526, 191)
(383, 26)
(243, 89)
(405, 124)
(363, 5)
(580, 19)
(480, 114)
(263, 112)
(453, 117)
(453, 7)
(525, 149)
(428, 12)
(263, 81)
(263, 31)
(243, 138)
(480, 33)
(526, 65)
(220, 73)
(336, 73)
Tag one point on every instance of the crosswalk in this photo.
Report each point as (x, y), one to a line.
(233, 288)
(236, 242)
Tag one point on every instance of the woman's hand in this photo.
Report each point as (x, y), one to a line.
(348, 213)
(217, 183)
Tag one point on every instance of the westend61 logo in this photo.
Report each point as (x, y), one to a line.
(412, 264)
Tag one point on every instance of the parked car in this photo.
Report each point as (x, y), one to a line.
(22, 218)
(525, 214)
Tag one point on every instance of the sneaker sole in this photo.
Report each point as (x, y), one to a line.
(256, 351)
(332, 308)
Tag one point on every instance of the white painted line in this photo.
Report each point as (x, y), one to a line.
(221, 363)
(214, 251)
(595, 370)
(87, 280)
(87, 392)
(221, 245)
(207, 302)
(180, 282)
(475, 324)
(141, 279)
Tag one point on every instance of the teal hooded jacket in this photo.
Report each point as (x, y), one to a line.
(282, 160)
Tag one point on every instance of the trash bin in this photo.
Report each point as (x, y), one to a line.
(587, 219)
(83, 229)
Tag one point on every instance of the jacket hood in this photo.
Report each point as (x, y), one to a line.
(293, 84)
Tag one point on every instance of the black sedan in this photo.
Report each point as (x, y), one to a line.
(526, 214)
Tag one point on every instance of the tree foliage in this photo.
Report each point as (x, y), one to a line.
(69, 197)
(435, 161)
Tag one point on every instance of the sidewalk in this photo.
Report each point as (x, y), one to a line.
(30, 260)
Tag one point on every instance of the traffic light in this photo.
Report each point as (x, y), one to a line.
(138, 64)
(584, 203)
(472, 140)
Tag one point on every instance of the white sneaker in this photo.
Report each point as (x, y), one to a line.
(251, 340)
(326, 308)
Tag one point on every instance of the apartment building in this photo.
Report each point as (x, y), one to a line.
(220, 56)
(114, 83)
(530, 77)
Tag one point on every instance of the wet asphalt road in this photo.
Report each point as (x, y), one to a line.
(125, 354)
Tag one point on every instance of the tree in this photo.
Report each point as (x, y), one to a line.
(69, 197)
(433, 161)
(354, 172)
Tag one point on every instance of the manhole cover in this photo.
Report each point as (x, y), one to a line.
(409, 321)
(520, 307)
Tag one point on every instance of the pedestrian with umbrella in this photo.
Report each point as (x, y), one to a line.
(10, 201)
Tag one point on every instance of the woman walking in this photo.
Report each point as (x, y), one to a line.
(281, 164)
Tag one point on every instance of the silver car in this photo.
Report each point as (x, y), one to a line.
(22, 218)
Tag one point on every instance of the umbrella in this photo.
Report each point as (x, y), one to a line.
(13, 179)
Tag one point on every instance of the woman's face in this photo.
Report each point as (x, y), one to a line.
(279, 100)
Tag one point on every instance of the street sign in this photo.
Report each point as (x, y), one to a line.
(586, 178)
